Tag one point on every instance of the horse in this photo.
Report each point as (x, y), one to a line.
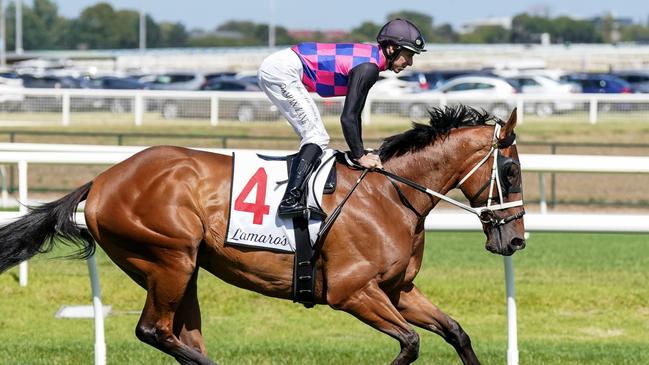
(161, 214)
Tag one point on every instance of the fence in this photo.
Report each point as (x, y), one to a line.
(22, 154)
(65, 106)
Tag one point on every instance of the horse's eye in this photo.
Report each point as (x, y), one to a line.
(513, 174)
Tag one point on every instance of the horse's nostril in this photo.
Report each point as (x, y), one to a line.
(518, 243)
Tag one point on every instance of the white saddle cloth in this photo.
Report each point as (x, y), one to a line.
(257, 189)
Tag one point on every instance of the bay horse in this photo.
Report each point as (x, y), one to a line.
(161, 214)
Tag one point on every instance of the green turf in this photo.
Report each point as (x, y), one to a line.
(582, 299)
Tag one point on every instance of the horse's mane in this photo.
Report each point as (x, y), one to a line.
(442, 121)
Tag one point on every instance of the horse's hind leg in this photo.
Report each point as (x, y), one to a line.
(418, 310)
(187, 321)
(166, 287)
(372, 306)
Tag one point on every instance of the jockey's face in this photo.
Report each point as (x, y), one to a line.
(404, 59)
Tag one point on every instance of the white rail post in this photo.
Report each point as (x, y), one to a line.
(65, 109)
(512, 330)
(214, 110)
(367, 120)
(592, 115)
(139, 109)
(100, 343)
(543, 202)
(22, 208)
(5, 192)
(520, 106)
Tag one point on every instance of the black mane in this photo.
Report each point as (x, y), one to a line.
(442, 121)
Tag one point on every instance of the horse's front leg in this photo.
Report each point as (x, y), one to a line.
(371, 305)
(418, 310)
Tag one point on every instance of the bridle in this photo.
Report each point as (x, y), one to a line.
(485, 213)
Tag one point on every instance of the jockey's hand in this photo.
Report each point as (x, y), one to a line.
(370, 161)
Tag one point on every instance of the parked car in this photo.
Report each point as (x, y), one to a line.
(469, 86)
(113, 104)
(599, 83)
(248, 76)
(230, 84)
(393, 84)
(604, 84)
(436, 78)
(111, 82)
(241, 109)
(535, 84)
(49, 81)
(214, 75)
(46, 103)
(638, 79)
(174, 81)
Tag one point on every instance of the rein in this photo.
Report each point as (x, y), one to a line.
(486, 213)
(336, 212)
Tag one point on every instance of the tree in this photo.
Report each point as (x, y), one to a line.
(245, 27)
(42, 26)
(422, 21)
(445, 34)
(635, 33)
(127, 32)
(575, 31)
(153, 33)
(487, 34)
(95, 27)
(282, 36)
(173, 34)
(366, 32)
(528, 29)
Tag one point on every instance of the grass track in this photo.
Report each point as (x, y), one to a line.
(582, 299)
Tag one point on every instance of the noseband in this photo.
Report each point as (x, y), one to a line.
(487, 213)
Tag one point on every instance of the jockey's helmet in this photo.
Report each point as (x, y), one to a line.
(402, 33)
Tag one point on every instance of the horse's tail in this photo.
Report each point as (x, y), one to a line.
(34, 232)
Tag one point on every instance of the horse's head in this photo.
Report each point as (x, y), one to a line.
(494, 186)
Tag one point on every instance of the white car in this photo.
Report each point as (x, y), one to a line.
(536, 84)
(393, 84)
(498, 91)
(11, 98)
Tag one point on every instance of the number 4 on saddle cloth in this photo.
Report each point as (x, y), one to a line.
(258, 184)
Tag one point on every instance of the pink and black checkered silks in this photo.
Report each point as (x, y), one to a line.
(327, 65)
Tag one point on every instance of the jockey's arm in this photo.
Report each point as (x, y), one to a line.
(361, 79)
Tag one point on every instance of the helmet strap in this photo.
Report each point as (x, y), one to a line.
(393, 57)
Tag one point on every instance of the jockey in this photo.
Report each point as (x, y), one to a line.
(348, 69)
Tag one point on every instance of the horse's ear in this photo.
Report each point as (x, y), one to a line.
(508, 128)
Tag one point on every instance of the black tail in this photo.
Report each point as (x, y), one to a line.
(34, 232)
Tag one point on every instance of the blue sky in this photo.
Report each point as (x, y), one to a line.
(345, 14)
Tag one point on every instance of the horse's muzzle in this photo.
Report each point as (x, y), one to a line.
(499, 245)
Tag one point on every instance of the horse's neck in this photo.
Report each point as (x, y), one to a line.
(437, 166)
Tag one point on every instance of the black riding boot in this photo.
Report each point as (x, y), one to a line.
(294, 201)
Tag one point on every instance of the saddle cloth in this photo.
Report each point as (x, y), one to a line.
(257, 188)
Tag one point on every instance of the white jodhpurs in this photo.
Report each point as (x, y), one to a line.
(280, 77)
